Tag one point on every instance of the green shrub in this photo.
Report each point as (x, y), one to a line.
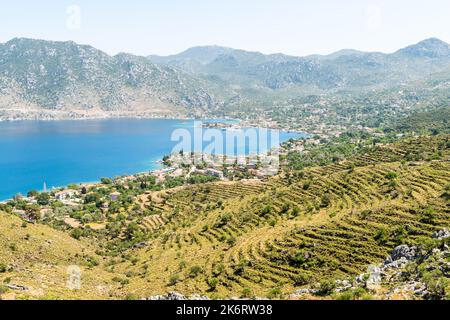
(365, 214)
(301, 279)
(3, 268)
(223, 220)
(246, 293)
(295, 212)
(76, 233)
(106, 181)
(326, 287)
(43, 199)
(32, 193)
(400, 234)
(275, 293)
(391, 175)
(325, 201)
(438, 286)
(3, 289)
(195, 271)
(218, 269)
(122, 281)
(231, 241)
(285, 208)
(427, 216)
(382, 236)
(356, 294)
(446, 194)
(182, 265)
(347, 295)
(213, 283)
(240, 267)
(174, 279)
(266, 211)
(298, 258)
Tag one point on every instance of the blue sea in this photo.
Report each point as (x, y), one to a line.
(65, 152)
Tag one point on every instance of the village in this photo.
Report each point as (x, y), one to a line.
(93, 204)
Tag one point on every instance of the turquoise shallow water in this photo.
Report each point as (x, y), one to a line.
(64, 152)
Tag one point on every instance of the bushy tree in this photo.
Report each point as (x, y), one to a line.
(43, 199)
(32, 193)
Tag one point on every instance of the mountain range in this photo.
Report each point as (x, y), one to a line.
(42, 79)
(341, 70)
(54, 80)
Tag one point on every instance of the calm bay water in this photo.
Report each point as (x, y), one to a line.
(64, 152)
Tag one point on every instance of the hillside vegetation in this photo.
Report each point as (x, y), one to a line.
(305, 228)
(34, 262)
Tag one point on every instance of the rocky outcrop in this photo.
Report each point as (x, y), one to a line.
(442, 234)
(175, 296)
(400, 256)
(410, 272)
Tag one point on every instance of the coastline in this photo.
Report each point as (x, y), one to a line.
(93, 183)
(115, 117)
(153, 165)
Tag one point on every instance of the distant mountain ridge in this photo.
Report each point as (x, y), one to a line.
(51, 80)
(431, 48)
(343, 69)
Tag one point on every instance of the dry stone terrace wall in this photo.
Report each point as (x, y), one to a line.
(333, 222)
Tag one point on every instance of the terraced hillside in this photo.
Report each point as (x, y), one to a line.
(299, 228)
(250, 238)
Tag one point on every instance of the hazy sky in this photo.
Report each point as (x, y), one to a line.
(297, 27)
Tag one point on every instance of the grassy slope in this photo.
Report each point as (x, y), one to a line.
(39, 257)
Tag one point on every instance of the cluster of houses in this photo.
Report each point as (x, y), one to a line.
(208, 165)
(68, 197)
(209, 172)
(161, 174)
(258, 166)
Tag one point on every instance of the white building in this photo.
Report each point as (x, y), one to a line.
(65, 195)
